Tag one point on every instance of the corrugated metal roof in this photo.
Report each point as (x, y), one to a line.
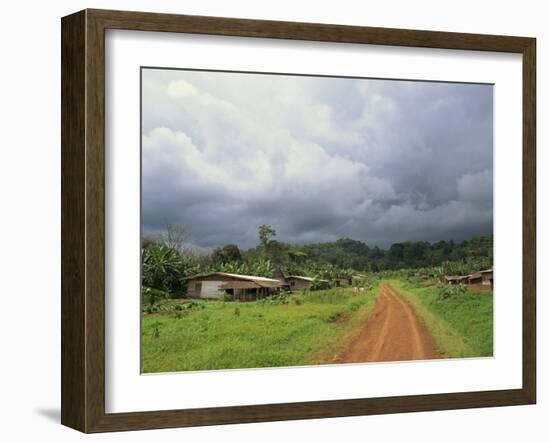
(305, 278)
(237, 276)
(472, 275)
(249, 277)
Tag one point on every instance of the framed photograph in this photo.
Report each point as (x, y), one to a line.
(268, 220)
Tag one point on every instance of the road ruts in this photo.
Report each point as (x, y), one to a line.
(392, 333)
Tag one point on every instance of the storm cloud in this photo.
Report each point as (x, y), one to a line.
(318, 158)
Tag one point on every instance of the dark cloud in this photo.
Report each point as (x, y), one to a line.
(317, 158)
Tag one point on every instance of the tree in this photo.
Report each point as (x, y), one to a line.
(175, 237)
(297, 256)
(227, 253)
(265, 233)
(164, 268)
(160, 267)
(396, 251)
(149, 241)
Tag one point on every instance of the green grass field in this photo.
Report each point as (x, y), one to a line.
(310, 329)
(462, 326)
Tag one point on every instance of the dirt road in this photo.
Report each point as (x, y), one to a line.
(392, 333)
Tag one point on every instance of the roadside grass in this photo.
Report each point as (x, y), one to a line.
(462, 326)
(310, 329)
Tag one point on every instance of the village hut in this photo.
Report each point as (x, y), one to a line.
(338, 281)
(484, 277)
(342, 282)
(299, 282)
(475, 278)
(280, 275)
(216, 285)
(296, 282)
(487, 277)
(454, 280)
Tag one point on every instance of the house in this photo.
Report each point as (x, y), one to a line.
(475, 278)
(484, 277)
(487, 277)
(338, 281)
(342, 282)
(299, 282)
(295, 282)
(280, 275)
(453, 280)
(216, 285)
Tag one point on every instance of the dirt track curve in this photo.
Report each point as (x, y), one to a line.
(392, 333)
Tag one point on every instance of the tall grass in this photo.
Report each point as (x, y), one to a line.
(461, 325)
(310, 329)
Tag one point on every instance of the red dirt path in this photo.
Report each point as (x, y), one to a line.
(392, 333)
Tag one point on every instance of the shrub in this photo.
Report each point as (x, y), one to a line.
(179, 312)
(196, 305)
(164, 268)
(275, 299)
(151, 296)
(319, 284)
(449, 291)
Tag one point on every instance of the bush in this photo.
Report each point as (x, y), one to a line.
(164, 268)
(177, 295)
(450, 291)
(196, 305)
(275, 299)
(151, 296)
(319, 284)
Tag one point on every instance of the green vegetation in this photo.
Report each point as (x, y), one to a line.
(298, 329)
(460, 320)
(309, 327)
(450, 291)
(168, 260)
(356, 255)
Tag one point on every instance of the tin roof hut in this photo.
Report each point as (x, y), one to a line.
(242, 287)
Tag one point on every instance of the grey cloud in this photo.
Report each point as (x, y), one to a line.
(317, 158)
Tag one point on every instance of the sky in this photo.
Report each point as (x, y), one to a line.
(317, 158)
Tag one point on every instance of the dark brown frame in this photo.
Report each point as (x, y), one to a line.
(83, 216)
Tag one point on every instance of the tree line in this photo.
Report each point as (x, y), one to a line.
(167, 258)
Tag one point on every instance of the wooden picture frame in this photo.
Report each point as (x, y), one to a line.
(83, 220)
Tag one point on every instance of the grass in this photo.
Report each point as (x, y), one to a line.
(461, 325)
(310, 329)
